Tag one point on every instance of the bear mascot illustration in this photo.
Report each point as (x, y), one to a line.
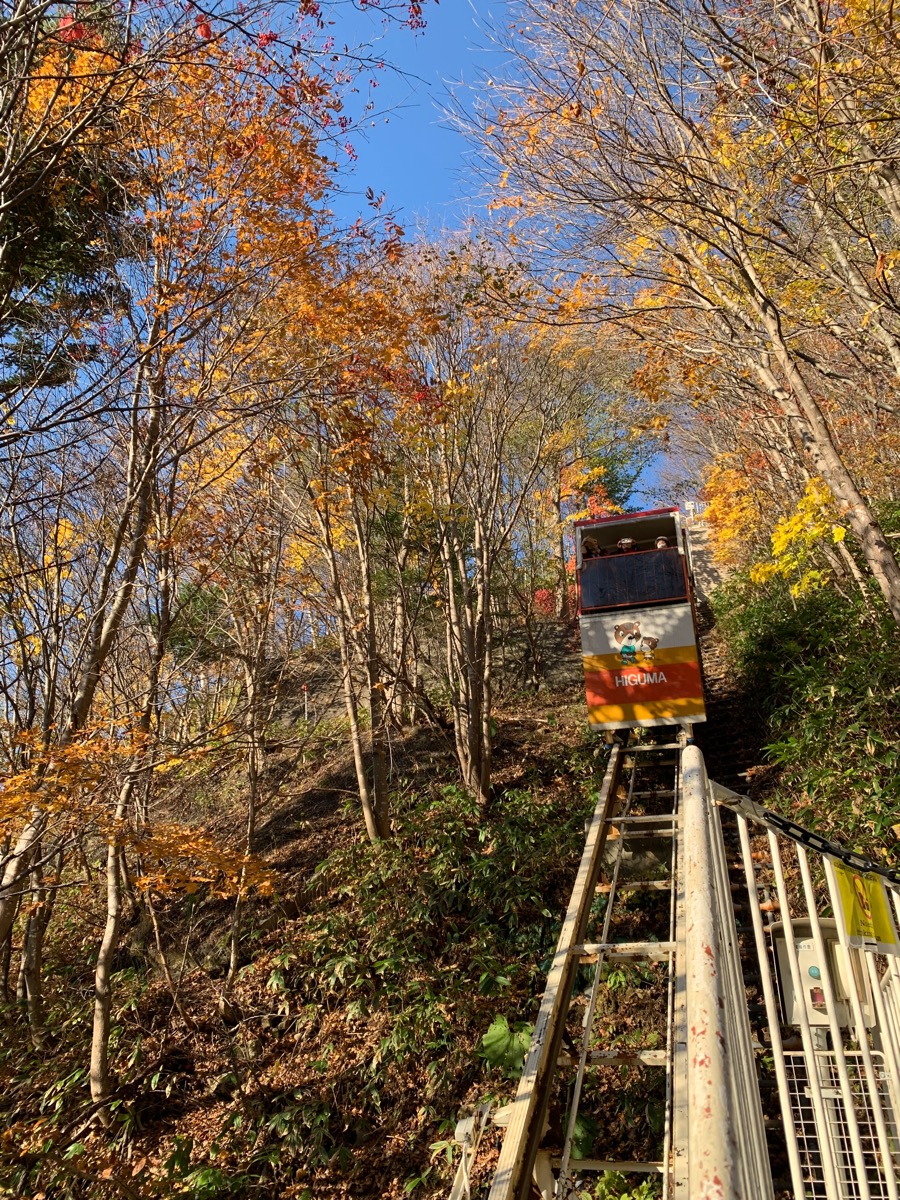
(632, 642)
(627, 638)
(648, 648)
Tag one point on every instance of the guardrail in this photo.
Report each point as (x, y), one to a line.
(727, 1153)
(718, 1147)
(823, 948)
(831, 982)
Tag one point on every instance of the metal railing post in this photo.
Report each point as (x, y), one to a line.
(772, 1014)
(712, 1148)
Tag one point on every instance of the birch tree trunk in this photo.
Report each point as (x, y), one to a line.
(344, 624)
(101, 1082)
(254, 771)
(375, 685)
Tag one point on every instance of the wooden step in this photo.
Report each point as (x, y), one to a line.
(621, 1058)
(661, 831)
(644, 819)
(617, 951)
(602, 1164)
(637, 885)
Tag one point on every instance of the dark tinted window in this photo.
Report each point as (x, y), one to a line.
(636, 578)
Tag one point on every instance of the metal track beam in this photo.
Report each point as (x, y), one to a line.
(512, 1180)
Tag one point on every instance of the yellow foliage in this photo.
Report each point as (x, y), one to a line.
(795, 539)
(64, 780)
(186, 858)
(732, 510)
(69, 83)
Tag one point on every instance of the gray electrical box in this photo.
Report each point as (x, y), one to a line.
(813, 973)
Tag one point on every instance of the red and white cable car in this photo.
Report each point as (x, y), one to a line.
(638, 625)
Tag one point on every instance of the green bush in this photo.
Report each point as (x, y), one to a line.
(824, 673)
(414, 947)
(459, 906)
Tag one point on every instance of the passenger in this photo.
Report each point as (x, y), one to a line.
(662, 543)
(590, 548)
(625, 544)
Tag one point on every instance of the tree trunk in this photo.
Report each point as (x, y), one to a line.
(101, 1084)
(166, 968)
(375, 686)
(33, 954)
(359, 762)
(464, 651)
(254, 772)
(560, 548)
(857, 574)
(484, 665)
(801, 407)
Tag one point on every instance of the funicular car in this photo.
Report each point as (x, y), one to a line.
(638, 626)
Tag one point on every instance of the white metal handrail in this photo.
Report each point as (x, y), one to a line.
(831, 994)
(726, 1136)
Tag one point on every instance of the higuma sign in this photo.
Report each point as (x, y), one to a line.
(641, 667)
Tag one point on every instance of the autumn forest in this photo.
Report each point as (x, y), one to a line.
(291, 767)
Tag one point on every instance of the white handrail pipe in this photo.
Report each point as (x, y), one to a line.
(712, 1150)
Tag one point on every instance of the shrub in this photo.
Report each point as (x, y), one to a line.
(825, 675)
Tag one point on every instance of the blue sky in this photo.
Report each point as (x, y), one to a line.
(410, 152)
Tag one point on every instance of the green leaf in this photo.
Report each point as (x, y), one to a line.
(505, 1046)
(584, 1136)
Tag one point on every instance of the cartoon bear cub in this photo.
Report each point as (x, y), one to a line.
(648, 646)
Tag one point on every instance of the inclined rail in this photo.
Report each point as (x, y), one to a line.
(528, 1115)
(782, 1004)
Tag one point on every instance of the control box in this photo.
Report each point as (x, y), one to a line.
(813, 973)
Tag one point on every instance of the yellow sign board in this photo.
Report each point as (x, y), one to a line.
(864, 907)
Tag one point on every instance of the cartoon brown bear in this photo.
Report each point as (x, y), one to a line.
(627, 637)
